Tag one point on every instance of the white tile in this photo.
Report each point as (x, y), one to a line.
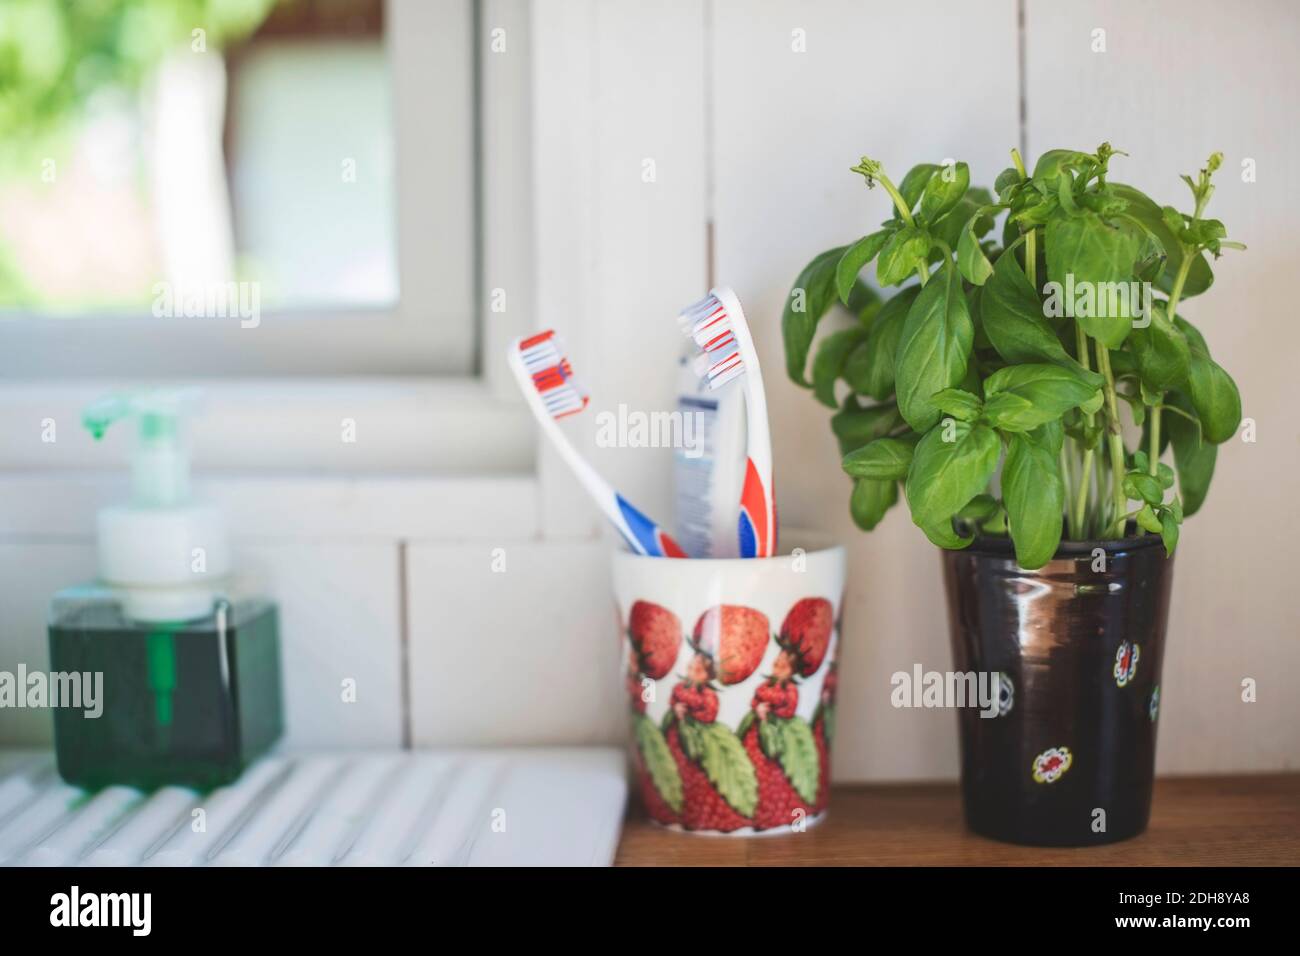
(339, 621)
(525, 656)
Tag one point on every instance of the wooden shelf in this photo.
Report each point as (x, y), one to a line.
(1203, 821)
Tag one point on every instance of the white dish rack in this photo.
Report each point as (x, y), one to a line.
(544, 806)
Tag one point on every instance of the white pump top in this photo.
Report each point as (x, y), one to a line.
(165, 555)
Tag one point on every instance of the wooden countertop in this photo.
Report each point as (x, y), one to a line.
(1200, 821)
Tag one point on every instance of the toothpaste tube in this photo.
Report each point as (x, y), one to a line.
(708, 475)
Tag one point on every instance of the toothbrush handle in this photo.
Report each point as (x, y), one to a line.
(757, 524)
(640, 532)
(644, 535)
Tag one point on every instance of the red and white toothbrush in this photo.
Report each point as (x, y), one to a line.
(717, 325)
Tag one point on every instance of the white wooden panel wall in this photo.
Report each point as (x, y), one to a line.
(513, 644)
(1178, 80)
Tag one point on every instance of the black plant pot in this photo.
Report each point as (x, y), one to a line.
(1070, 758)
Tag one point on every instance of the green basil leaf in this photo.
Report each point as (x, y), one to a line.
(979, 509)
(829, 362)
(870, 500)
(809, 299)
(1065, 193)
(971, 260)
(913, 184)
(1140, 486)
(1145, 211)
(945, 474)
(1023, 397)
(1147, 519)
(958, 403)
(934, 349)
(1013, 317)
(869, 369)
(1008, 178)
(943, 191)
(1034, 496)
(1161, 351)
(855, 426)
(1213, 392)
(941, 533)
(1193, 457)
(855, 257)
(1169, 530)
(1050, 163)
(864, 302)
(1084, 252)
(885, 459)
(902, 254)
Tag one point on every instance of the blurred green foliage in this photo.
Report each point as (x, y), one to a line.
(54, 54)
(57, 54)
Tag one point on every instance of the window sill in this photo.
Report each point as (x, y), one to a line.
(377, 458)
(62, 506)
(347, 427)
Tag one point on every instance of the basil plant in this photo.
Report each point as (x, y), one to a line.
(991, 384)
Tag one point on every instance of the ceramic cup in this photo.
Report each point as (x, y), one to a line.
(730, 671)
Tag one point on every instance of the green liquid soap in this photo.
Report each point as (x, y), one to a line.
(189, 703)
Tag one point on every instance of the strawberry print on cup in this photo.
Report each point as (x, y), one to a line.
(781, 744)
(655, 635)
(732, 719)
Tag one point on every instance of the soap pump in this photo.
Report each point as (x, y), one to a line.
(164, 554)
(190, 677)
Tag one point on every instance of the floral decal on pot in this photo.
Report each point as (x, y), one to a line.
(1051, 763)
(720, 787)
(1126, 663)
(1006, 693)
(1153, 708)
(655, 634)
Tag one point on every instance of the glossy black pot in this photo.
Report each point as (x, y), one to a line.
(1079, 643)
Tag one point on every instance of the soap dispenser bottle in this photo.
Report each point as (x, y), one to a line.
(190, 678)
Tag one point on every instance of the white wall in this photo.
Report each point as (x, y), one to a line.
(456, 652)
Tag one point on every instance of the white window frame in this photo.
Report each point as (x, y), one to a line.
(433, 329)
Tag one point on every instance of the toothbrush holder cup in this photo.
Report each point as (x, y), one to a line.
(730, 667)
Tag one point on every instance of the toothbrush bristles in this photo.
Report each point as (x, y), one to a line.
(544, 359)
(708, 324)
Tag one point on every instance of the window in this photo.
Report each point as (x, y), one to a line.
(220, 189)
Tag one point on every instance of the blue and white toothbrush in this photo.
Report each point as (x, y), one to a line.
(546, 379)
